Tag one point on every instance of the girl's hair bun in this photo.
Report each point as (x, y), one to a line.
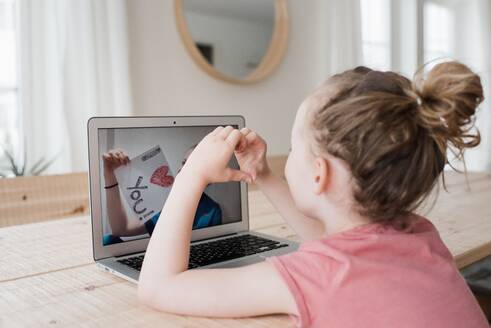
(447, 99)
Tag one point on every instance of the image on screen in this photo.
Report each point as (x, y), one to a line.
(134, 192)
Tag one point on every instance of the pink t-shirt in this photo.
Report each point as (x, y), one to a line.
(377, 276)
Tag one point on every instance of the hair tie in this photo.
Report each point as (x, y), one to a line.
(111, 186)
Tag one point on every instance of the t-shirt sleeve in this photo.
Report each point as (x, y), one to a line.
(302, 273)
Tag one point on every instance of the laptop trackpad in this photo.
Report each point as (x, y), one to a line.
(239, 262)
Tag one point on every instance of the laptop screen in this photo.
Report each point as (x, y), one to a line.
(133, 192)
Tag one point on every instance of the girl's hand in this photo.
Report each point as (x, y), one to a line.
(251, 155)
(209, 160)
(114, 159)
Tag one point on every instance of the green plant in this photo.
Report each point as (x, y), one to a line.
(14, 169)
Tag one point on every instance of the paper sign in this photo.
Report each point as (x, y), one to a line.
(145, 183)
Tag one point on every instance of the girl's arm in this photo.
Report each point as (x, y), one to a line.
(278, 193)
(166, 284)
(117, 218)
(252, 159)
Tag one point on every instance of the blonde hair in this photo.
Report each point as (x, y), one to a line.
(394, 134)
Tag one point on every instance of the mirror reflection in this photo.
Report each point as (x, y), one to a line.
(232, 35)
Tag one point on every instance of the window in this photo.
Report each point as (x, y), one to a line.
(9, 104)
(438, 31)
(376, 27)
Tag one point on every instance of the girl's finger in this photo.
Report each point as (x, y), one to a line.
(234, 138)
(117, 155)
(237, 175)
(120, 157)
(112, 157)
(245, 131)
(225, 132)
(216, 131)
(251, 136)
(242, 144)
(124, 158)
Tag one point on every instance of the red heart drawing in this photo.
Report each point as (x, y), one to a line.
(160, 177)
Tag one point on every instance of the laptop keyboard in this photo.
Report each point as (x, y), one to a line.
(219, 250)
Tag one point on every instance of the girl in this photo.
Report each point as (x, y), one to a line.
(367, 148)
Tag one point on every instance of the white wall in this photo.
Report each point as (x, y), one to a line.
(166, 81)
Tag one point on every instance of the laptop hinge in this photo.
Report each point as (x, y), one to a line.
(229, 234)
(129, 254)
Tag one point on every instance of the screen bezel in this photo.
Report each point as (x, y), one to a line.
(136, 246)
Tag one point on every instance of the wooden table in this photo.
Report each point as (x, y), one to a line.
(48, 277)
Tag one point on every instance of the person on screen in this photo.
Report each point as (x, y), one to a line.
(208, 212)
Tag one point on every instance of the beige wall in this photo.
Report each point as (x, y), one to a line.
(165, 80)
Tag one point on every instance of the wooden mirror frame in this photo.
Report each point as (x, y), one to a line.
(270, 60)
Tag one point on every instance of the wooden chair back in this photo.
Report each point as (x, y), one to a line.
(40, 198)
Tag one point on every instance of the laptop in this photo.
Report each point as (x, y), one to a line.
(126, 197)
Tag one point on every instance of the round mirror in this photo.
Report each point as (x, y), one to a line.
(239, 41)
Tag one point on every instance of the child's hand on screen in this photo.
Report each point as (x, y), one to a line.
(209, 160)
(252, 154)
(113, 159)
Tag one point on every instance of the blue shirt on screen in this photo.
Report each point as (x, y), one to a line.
(207, 214)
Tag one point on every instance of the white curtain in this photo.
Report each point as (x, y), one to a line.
(74, 65)
(344, 43)
(472, 45)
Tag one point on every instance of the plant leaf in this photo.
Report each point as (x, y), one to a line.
(45, 165)
(37, 164)
(42, 168)
(13, 166)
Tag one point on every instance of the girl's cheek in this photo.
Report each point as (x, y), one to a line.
(288, 169)
(285, 171)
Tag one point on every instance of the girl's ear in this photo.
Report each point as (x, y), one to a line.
(321, 175)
